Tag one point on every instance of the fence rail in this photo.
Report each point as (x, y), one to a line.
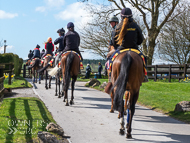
(172, 71)
(1, 82)
(10, 70)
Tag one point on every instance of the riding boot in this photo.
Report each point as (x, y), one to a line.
(145, 76)
(80, 55)
(110, 53)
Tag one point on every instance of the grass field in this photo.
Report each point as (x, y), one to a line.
(17, 82)
(162, 96)
(22, 118)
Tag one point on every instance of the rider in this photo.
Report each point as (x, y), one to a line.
(128, 34)
(49, 46)
(113, 22)
(60, 40)
(36, 52)
(30, 55)
(71, 40)
(42, 53)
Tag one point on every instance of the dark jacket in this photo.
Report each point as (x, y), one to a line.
(30, 55)
(36, 53)
(49, 47)
(132, 38)
(60, 41)
(88, 69)
(99, 68)
(71, 41)
(112, 42)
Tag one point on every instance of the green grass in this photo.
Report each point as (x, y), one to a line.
(162, 96)
(17, 82)
(26, 115)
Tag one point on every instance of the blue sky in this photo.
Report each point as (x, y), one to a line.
(24, 24)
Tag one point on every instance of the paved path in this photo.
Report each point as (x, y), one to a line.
(89, 120)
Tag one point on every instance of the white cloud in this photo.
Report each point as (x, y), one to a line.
(8, 49)
(40, 9)
(75, 12)
(49, 4)
(6, 15)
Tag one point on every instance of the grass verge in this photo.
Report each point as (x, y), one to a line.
(17, 82)
(22, 118)
(162, 96)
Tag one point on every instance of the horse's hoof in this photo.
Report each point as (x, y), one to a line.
(127, 125)
(63, 100)
(56, 94)
(71, 102)
(128, 136)
(59, 96)
(67, 104)
(121, 132)
(49, 86)
(39, 82)
(111, 111)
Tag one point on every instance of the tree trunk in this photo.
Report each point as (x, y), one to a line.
(150, 51)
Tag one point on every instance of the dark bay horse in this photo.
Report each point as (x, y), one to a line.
(70, 64)
(127, 75)
(35, 65)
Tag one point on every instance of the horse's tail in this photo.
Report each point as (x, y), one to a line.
(121, 81)
(36, 63)
(69, 61)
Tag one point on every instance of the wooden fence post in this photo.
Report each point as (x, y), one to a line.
(10, 73)
(155, 72)
(169, 73)
(185, 70)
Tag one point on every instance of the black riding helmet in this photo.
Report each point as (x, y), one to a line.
(37, 46)
(126, 12)
(114, 19)
(61, 31)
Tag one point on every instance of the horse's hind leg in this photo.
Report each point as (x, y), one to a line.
(126, 99)
(59, 83)
(56, 85)
(112, 98)
(39, 78)
(50, 81)
(72, 90)
(46, 76)
(36, 76)
(122, 129)
(67, 102)
(132, 103)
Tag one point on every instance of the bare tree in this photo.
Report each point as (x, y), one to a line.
(175, 38)
(155, 13)
(96, 34)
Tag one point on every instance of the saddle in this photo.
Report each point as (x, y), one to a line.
(117, 52)
(32, 61)
(81, 64)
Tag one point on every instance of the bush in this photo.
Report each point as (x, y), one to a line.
(10, 57)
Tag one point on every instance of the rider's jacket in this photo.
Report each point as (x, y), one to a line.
(112, 42)
(71, 41)
(49, 47)
(36, 53)
(88, 69)
(60, 41)
(30, 55)
(132, 38)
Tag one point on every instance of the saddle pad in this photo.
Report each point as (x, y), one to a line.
(117, 52)
(81, 64)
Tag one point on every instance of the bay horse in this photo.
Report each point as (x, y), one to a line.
(70, 66)
(127, 75)
(47, 59)
(29, 70)
(35, 65)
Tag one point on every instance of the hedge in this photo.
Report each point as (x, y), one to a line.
(10, 57)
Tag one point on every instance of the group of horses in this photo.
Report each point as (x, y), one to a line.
(126, 78)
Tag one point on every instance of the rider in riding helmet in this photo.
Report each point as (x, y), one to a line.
(59, 40)
(49, 46)
(71, 40)
(113, 22)
(128, 33)
(36, 52)
(30, 55)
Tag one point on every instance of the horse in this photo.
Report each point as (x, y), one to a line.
(35, 65)
(29, 70)
(45, 64)
(70, 68)
(127, 75)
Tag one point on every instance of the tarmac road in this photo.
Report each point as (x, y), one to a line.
(89, 120)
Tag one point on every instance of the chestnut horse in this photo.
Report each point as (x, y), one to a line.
(36, 65)
(127, 75)
(70, 66)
